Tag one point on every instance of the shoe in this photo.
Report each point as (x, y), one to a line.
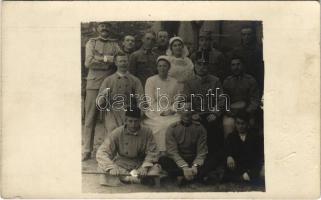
(86, 156)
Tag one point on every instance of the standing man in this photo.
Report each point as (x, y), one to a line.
(162, 43)
(251, 54)
(217, 66)
(117, 92)
(99, 60)
(243, 91)
(142, 63)
(129, 149)
(128, 45)
(207, 99)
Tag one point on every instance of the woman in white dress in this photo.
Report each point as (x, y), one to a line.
(182, 68)
(160, 91)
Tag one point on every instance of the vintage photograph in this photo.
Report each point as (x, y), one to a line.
(172, 106)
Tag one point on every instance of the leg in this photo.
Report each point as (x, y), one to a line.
(215, 137)
(228, 125)
(90, 121)
(170, 167)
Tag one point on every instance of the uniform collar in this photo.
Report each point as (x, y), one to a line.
(239, 77)
(204, 79)
(146, 51)
(106, 39)
(127, 132)
(120, 75)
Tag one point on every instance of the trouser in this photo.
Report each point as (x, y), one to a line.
(152, 171)
(173, 170)
(90, 120)
(236, 174)
(215, 137)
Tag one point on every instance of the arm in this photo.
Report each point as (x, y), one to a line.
(201, 147)
(151, 151)
(254, 97)
(132, 68)
(93, 59)
(172, 149)
(106, 153)
(220, 101)
(103, 94)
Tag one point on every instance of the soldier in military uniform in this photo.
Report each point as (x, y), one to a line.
(251, 54)
(186, 150)
(162, 43)
(128, 45)
(205, 92)
(99, 61)
(117, 92)
(217, 61)
(243, 91)
(142, 63)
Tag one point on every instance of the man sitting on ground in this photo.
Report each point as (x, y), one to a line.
(129, 149)
(244, 152)
(186, 150)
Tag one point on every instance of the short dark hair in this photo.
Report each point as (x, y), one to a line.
(149, 32)
(128, 35)
(235, 57)
(120, 53)
(243, 115)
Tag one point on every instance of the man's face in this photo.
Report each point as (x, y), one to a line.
(241, 125)
(204, 43)
(177, 48)
(132, 124)
(122, 63)
(201, 68)
(236, 67)
(148, 40)
(129, 42)
(103, 30)
(162, 38)
(247, 35)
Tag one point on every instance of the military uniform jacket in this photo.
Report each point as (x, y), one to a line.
(122, 85)
(142, 64)
(201, 87)
(96, 49)
(186, 143)
(128, 150)
(242, 88)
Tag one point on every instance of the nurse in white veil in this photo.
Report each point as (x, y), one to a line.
(182, 68)
(160, 91)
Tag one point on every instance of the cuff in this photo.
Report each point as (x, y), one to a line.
(198, 162)
(181, 163)
(147, 164)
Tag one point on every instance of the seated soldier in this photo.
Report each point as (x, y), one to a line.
(129, 149)
(244, 152)
(243, 91)
(186, 149)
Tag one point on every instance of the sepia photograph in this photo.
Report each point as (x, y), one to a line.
(172, 106)
(160, 99)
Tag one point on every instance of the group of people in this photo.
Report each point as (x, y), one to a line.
(161, 115)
